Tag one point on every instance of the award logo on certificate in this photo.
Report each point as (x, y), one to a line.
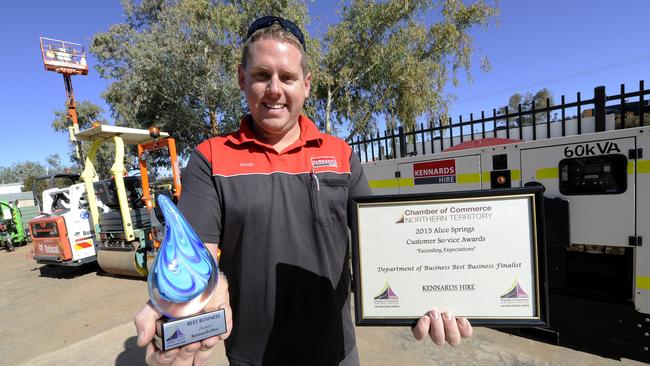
(478, 254)
(181, 283)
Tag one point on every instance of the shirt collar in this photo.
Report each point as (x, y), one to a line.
(308, 132)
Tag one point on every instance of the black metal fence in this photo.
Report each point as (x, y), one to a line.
(599, 113)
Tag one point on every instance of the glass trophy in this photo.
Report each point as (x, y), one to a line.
(181, 282)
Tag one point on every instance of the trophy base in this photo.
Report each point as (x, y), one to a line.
(179, 332)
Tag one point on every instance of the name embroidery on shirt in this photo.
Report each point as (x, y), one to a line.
(324, 161)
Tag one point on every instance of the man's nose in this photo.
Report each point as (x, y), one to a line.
(273, 86)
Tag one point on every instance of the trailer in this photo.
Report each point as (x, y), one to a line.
(597, 201)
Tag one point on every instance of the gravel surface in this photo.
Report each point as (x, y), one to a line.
(78, 316)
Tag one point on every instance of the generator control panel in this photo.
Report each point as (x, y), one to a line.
(603, 174)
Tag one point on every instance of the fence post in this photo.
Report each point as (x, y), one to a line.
(641, 105)
(402, 141)
(599, 108)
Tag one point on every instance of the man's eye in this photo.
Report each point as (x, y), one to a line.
(288, 79)
(261, 75)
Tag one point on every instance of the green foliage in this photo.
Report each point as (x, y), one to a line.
(27, 183)
(27, 171)
(388, 59)
(87, 113)
(542, 99)
(54, 164)
(174, 62)
(17, 172)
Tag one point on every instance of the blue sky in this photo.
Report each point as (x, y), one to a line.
(566, 46)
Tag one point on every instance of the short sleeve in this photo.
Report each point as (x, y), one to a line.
(199, 201)
(358, 183)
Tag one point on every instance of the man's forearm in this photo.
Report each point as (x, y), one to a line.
(213, 249)
(221, 292)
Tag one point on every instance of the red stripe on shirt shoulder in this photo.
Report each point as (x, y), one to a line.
(209, 148)
(329, 154)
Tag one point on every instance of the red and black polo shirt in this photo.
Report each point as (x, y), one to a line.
(280, 220)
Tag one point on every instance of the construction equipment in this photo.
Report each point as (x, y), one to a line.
(12, 232)
(597, 199)
(67, 59)
(45, 182)
(127, 228)
(61, 234)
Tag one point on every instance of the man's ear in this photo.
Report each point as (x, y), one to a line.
(307, 84)
(240, 76)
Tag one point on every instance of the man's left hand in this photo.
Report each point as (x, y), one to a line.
(442, 327)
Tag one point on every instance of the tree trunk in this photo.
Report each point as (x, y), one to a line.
(214, 124)
(328, 108)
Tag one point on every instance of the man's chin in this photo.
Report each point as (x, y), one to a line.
(274, 116)
(275, 126)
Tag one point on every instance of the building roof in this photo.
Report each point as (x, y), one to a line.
(10, 187)
(16, 196)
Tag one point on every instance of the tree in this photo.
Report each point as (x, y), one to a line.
(53, 164)
(17, 172)
(28, 182)
(23, 172)
(386, 59)
(175, 63)
(542, 99)
(87, 114)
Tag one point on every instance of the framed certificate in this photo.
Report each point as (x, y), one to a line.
(477, 254)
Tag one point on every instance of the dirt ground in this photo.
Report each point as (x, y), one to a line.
(67, 316)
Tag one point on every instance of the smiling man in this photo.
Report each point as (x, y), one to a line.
(275, 85)
(273, 195)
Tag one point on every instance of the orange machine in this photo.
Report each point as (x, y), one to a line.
(52, 244)
(53, 235)
(149, 201)
(166, 143)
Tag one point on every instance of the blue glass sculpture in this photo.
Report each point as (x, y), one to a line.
(184, 273)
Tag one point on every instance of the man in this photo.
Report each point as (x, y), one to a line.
(273, 195)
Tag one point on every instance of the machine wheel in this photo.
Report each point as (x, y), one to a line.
(9, 245)
(121, 262)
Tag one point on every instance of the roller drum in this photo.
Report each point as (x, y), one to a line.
(121, 262)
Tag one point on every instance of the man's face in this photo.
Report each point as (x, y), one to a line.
(274, 85)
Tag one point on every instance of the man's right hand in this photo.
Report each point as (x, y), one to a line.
(197, 353)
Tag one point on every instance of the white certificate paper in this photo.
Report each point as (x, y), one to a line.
(476, 257)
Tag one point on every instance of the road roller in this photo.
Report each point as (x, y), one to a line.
(127, 226)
